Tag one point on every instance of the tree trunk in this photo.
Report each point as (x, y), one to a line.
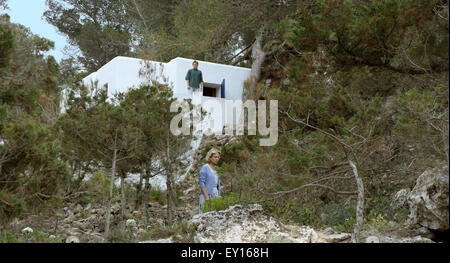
(139, 196)
(111, 187)
(258, 58)
(122, 201)
(147, 193)
(359, 205)
(168, 184)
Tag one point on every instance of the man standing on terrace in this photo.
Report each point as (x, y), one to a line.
(194, 79)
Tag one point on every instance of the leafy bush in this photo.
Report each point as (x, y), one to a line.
(339, 215)
(347, 226)
(8, 237)
(184, 233)
(378, 223)
(97, 187)
(120, 235)
(36, 237)
(10, 206)
(180, 232)
(157, 195)
(402, 215)
(307, 214)
(220, 203)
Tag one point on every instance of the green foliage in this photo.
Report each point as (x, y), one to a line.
(402, 215)
(10, 206)
(337, 214)
(213, 31)
(97, 187)
(120, 235)
(40, 237)
(157, 195)
(220, 203)
(378, 223)
(423, 120)
(6, 44)
(379, 205)
(238, 151)
(370, 34)
(30, 168)
(8, 237)
(31, 237)
(347, 226)
(184, 233)
(180, 232)
(100, 29)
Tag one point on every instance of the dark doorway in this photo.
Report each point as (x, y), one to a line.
(209, 92)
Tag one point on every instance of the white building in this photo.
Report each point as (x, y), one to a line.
(220, 81)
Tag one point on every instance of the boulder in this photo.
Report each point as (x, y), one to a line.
(372, 239)
(337, 238)
(378, 237)
(428, 200)
(72, 239)
(27, 230)
(400, 199)
(247, 224)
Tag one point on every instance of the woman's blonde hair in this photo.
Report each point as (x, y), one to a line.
(211, 153)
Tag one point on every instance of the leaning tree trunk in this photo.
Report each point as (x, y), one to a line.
(258, 58)
(111, 187)
(359, 204)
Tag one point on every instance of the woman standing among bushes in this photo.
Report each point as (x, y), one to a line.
(209, 180)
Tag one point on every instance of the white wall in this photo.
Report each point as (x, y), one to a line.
(122, 73)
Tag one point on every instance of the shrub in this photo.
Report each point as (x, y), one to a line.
(378, 223)
(220, 203)
(97, 187)
(344, 217)
(157, 195)
(10, 206)
(8, 237)
(120, 235)
(347, 226)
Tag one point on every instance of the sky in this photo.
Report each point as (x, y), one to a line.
(29, 13)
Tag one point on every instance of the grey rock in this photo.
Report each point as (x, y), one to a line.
(328, 231)
(72, 239)
(372, 239)
(247, 224)
(334, 238)
(376, 237)
(428, 200)
(400, 199)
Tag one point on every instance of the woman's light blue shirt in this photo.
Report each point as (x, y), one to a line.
(207, 180)
(211, 181)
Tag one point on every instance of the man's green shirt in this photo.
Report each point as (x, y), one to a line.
(195, 78)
